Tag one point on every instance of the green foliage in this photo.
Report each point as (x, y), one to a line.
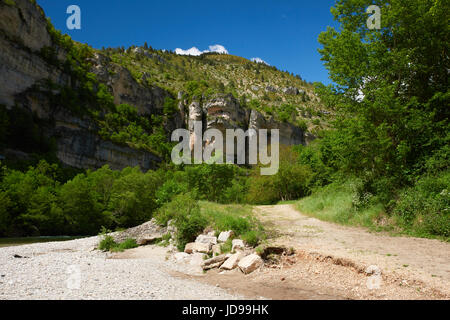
(125, 126)
(292, 181)
(390, 132)
(287, 113)
(170, 106)
(424, 208)
(11, 3)
(107, 243)
(399, 122)
(5, 206)
(252, 238)
(238, 218)
(127, 244)
(185, 212)
(133, 197)
(36, 203)
(210, 180)
(335, 202)
(226, 246)
(173, 186)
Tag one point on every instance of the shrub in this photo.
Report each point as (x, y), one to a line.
(133, 197)
(425, 206)
(107, 243)
(188, 220)
(238, 218)
(252, 237)
(210, 180)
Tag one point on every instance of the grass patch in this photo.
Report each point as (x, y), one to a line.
(334, 203)
(108, 244)
(192, 217)
(338, 203)
(238, 218)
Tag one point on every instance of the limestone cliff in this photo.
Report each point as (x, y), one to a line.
(24, 71)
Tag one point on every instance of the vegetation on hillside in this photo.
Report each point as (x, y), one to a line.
(256, 85)
(382, 160)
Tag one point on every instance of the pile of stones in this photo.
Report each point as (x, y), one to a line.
(241, 256)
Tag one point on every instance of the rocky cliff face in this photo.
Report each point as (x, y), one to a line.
(224, 112)
(23, 34)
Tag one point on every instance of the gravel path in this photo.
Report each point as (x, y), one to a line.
(73, 270)
(402, 260)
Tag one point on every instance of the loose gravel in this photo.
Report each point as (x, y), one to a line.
(74, 270)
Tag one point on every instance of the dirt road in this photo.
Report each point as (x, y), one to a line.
(337, 256)
(331, 262)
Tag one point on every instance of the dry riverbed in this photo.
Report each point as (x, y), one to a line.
(331, 262)
(51, 271)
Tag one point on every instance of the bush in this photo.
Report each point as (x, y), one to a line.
(107, 243)
(210, 180)
(226, 247)
(425, 206)
(292, 181)
(133, 197)
(174, 185)
(252, 237)
(238, 218)
(185, 212)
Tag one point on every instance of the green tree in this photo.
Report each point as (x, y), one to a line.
(391, 86)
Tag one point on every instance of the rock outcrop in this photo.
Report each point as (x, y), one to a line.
(145, 233)
(24, 71)
(23, 34)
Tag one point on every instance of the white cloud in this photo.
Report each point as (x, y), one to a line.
(194, 51)
(259, 60)
(190, 52)
(218, 48)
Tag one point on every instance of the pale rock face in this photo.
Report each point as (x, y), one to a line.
(126, 89)
(213, 262)
(250, 263)
(195, 114)
(196, 259)
(232, 262)
(197, 247)
(225, 235)
(237, 244)
(225, 112)
(206, 239)
(144, 233)
(23, 33)
(25, 23)
(289, 134)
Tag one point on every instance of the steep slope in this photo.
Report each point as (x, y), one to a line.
(86, 108)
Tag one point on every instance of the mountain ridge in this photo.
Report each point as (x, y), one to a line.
(88, 107)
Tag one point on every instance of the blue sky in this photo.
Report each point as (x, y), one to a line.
(281, 32)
